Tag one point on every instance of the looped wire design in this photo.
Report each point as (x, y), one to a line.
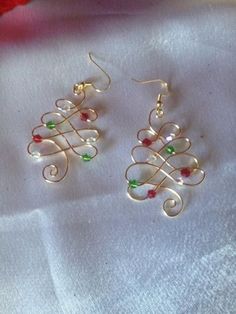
(162, 162)
(53, 137)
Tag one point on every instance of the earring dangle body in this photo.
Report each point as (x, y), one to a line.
(162, 162)
(67, 129)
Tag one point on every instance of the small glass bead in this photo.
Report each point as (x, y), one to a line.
(185, 172)
(36, 154)
(170, 149)
(133, 184)
(37, 138)
(86, 157)
(151, 193)
(147, 142)
(84, 116)
(51, 125)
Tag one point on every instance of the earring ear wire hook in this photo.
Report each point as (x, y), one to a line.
(80, 87)
(91, 57)
(163, 84)
(159, 103)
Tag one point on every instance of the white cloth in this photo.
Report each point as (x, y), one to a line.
(82, 246)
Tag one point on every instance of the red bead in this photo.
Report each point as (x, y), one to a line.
(84, 116)
(151, 194)
(37, 138)
(147, 142)
(185, 172)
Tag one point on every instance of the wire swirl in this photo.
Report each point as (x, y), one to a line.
(59, 133)
(161, 163)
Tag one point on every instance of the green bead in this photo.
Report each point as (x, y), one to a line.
(133, 184)
(86, 157)
(51, 125)
(170, 149)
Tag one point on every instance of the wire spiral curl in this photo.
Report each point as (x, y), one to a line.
(53, 137)
(162, 163)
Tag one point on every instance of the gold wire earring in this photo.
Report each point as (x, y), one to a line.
(63, 130)
(161, 162)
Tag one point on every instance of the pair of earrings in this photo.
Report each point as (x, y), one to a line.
(161, 161)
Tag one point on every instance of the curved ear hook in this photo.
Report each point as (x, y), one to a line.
(80, 87)
(104, 72)
(162, 83)
(159, 104)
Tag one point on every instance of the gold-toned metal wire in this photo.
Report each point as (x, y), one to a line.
(104, 72)
(163, 84)
(159, 102)
(79, 87)
(164, 162)
(51, 136)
